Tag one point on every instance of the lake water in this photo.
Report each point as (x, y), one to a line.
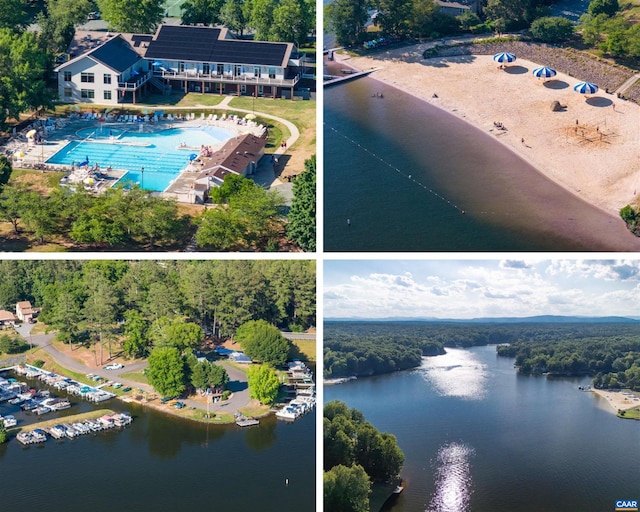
(478, 437)
(402, 171)
(161, 463)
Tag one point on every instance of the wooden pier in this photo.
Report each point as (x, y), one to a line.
(346, 78)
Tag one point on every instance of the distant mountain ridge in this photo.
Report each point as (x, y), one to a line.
(557, 319)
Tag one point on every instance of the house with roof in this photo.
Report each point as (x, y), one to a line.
(103, 74)
(239, 155)
(456, 8)
(7, 319)
(188, 58)
(25, 312)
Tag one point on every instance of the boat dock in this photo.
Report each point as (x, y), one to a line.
(352, 76)
(243, 421)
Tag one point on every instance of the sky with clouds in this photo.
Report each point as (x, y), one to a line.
(480, 288)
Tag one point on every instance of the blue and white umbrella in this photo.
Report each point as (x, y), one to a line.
(544, 72)
(503, 57)
(192, 157)
(585, 88)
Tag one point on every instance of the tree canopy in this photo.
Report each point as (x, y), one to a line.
(352, 446)
(263, 383)
(166, 372)
(302, 216)
(138, 16)
(263, 342)
(22, 74)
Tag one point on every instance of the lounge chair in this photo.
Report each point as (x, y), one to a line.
(169, 117)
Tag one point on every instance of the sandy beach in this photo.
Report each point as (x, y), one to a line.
(591, 148)
(617, 399)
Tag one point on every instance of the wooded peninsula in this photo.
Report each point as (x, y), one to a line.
(608, 350)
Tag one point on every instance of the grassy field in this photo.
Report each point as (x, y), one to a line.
(307, 347)
(631, 414)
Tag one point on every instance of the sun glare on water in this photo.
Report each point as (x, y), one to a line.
(453, 484)
(456, 374)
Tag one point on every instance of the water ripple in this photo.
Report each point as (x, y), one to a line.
(453, 484)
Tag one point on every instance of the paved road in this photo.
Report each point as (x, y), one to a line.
(237, 379)
(299, 335)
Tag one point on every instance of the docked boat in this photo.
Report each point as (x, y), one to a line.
(41, 409)
(9, 421)
(57, 432)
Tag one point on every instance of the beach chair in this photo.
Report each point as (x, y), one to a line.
(202, 116)
(169, 117)
(215, 117)
(193, 116)
(210, 117)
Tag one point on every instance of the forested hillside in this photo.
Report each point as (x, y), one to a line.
(609, 350)
(217, 295)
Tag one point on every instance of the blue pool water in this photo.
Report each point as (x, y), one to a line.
(159, 153)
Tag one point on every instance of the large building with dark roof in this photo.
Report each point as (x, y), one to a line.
(120, 68)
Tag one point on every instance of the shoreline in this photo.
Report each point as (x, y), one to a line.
(617, 400)
(560, 153)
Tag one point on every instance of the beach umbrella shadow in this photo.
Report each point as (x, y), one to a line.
(556, 84)
(516, 70)
(599, 101)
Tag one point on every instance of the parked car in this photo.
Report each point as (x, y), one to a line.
(113, 366)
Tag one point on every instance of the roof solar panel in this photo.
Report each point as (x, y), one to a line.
(203, 44)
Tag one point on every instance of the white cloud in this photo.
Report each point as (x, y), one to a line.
(468, 289)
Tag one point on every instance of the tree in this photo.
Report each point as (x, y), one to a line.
(552, 29)
(628, 214)
(423, 18)
(346, 489)
(347, 20)
(166, 371)
(140, 16)
(302, 216)
(233, 16)
(13, 204)
(206, 12)
(511, 13)
(263, 342)
(100, 306)
(251, 218)
(135, 331)
(261, 18)
(218, 376)
(263, 383)
(608, 7)
(5, 170)
(4, 437)
(12, 15)
(292, 21)
(394, 16)
(175, 332)
(22, 75)
(157, 219)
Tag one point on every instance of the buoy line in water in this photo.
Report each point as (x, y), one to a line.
(392, 167)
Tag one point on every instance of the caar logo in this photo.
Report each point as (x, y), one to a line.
(627, 505)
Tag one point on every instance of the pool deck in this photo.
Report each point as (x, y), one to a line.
(60, 131)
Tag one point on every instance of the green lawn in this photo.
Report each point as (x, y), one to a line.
(135, 377)
(631, 414)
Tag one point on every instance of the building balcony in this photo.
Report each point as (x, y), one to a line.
(194, 76)
(133, 84)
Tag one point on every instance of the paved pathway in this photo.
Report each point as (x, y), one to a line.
(237, 379)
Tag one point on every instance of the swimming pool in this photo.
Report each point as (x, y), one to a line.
(162, 154)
